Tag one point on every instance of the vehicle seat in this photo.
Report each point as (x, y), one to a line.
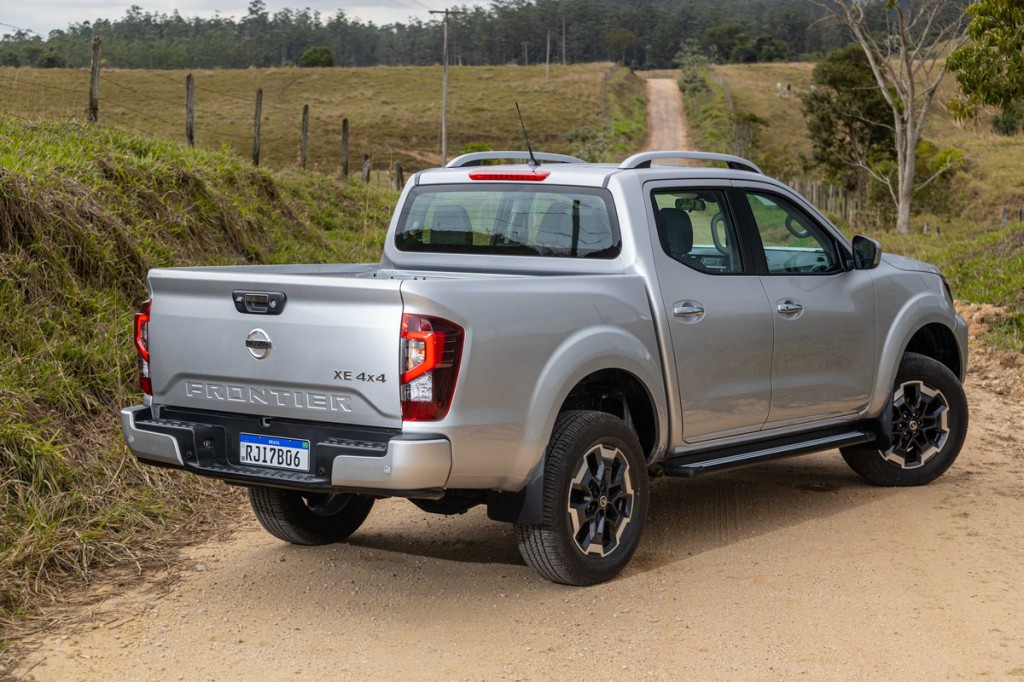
(678, 231)
(451, 226)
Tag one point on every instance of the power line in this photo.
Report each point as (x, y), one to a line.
(22, 30)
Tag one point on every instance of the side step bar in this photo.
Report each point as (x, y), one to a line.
(737, 457)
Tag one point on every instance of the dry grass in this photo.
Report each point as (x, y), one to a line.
(394, 112)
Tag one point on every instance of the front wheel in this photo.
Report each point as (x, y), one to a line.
(595, 501)
(929, 422)
(309, 518)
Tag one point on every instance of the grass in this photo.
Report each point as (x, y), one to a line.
(709, 117)
(394, 112)
(84, 212)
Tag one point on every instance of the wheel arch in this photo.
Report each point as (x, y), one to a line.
(922, 326)
(599, 368)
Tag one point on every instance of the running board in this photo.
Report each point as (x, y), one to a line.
(737, 457)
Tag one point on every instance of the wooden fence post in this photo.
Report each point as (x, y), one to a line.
(256, 128)
(344, 148)
(366, 168)
(304, 148)
(190, 111)
(397, 176)
(94, 81)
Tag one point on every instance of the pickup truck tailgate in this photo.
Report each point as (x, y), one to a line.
(331, 354)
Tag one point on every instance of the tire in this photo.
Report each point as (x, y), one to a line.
(308, 518)
(929, 416)
(589, 532)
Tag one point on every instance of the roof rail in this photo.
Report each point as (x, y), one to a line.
(643, 160)
(475, 158)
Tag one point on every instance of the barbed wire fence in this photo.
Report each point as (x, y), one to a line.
(155, 102)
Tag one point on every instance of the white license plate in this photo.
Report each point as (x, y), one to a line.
(273, 451)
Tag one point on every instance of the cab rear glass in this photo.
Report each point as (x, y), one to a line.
(509, 220)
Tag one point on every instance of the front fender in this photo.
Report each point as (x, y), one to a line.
(916, 312)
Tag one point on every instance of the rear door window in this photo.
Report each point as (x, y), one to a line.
(695, 228)
(511, 220)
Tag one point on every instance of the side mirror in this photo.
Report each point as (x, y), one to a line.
(867, 253)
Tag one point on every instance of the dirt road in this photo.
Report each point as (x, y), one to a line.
(791, 569)
(666, 119)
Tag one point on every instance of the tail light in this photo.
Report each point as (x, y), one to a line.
(142, 346)
(431, 352)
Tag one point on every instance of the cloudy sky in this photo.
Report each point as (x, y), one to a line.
(43, 17)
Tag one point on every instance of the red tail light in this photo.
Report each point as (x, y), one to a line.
(142, 346)
(431, 353)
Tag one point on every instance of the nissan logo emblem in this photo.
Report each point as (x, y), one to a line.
(258, 344)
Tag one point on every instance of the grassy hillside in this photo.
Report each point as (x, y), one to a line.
(394, 112)
(84, 212)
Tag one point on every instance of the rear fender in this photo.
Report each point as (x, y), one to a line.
(585, 352)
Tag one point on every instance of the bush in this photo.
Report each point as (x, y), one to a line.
(319, 55)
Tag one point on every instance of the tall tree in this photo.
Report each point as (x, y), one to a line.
(990, 69)
(848, 118)
(908, 62)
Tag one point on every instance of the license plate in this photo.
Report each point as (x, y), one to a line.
(273, 451)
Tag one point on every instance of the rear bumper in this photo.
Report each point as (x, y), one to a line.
(343, 459)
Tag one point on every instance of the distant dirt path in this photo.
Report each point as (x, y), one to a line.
(666, 119)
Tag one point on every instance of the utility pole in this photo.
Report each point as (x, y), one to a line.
(563, 41)
(94, 81)
(547, 60)
(444, 86)
(526, 53)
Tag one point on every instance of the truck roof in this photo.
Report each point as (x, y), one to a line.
(567, 170)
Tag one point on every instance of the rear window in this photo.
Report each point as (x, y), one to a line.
(509, 220)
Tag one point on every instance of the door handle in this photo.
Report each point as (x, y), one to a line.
(689, 311)
(789, 307)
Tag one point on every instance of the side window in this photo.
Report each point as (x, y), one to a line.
(793, 243)
(695, 228)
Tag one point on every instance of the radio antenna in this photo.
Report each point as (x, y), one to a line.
(533, 159)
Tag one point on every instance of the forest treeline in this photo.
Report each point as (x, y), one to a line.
(638, 33)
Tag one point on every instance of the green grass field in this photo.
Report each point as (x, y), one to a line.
(394, 112)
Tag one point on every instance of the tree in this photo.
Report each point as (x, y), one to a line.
(847, 118)
(908, 63)
(619, 41)
(319, 55)
(990, 69)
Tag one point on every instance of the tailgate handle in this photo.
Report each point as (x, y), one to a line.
(259, 302)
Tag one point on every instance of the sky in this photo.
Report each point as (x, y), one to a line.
(43, 17)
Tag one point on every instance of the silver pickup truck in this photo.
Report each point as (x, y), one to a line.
(544, 338)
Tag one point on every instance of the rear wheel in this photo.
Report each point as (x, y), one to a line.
(309, 518)
(929, 419)
(595, 501)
